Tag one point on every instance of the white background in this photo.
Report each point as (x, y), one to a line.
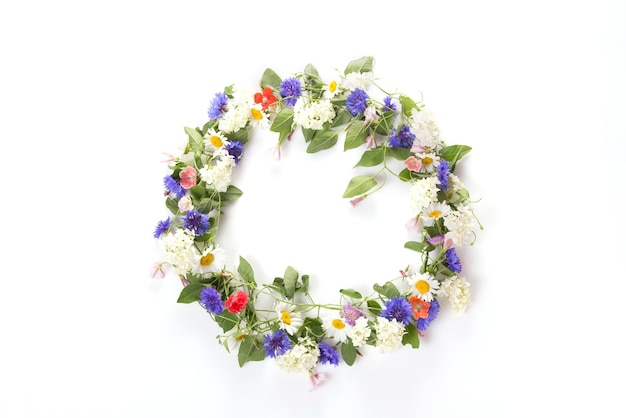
(92, 92)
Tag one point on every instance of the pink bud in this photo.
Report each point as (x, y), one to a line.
(316, 379)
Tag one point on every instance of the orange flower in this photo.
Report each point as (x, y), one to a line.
(420, 307)
(266, 98)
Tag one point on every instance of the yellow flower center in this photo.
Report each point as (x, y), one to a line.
(427, 160)
(422, 286)
(241, 337)
(284, 315)
(434, 214)
(216, 141)
(332, 86)
(338, 324)
(207, 259)
(256, 114)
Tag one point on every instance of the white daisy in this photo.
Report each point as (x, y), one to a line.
(434, 211)
(258, 117)
(213, 259)
(423, 285)
(288, 319)
(214, 140)
(331, 89)
(430, 161)
(335, 327)
(235, 337)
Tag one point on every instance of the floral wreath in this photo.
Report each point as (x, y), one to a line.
(298, 333)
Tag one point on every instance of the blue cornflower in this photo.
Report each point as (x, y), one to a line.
(403, 139)
(235, 148)
(174, 187)
(433, 310)
(290, 90)
(197, 222)
(276, 344)
(399, 309)
(357, 102)
(443, 172)
(388, 105)
(211, 300)
(218, 106)
(328, 355)
(452, 261)
(162, 227)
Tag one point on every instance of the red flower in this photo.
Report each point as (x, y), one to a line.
(420, 307)
(236, 302)
(266, 98)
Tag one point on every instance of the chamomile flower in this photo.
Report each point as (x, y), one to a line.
(430, 162)
(258, 117)
(213, 259)
(288, 319)
(335, 327)
(423, 285)
(331, 89)
(435, 211)
(214, 140)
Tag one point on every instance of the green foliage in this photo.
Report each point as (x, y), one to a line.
(359, 185)
(348, 352)
(190, 293)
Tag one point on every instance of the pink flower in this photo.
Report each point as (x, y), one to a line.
(185, 204)
(413, 225)
(275, 152)
(159, 270)
(370, 114)
(316, 379)
(413, 163)
(354, 202)
(184, 280)
(370, 142)
(188, 177)
(417, 148)
(169, 158)
(235, 303)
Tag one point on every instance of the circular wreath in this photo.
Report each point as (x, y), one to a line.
(280, 320)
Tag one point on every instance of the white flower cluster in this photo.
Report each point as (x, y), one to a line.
(388, 334)
(456, 289)
(460, 224)
(360, 332)
(302, 357)
(179, 250)
(356, 80)
(425, 128)
(313, 114)
(218, 173)
(238, 113)
(423, 193)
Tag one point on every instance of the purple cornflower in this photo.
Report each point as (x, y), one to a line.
(174, 187)
(399, 309)
(403, 139)
(452, 261)
(290, 90)
(351, 314)
(162, 227)
(211, 300)
(276, 344)
(357, 102)
(433, 310)
(197, 222)
(218, 106)
(388, 105)
(443, 172)
(235, 148)
(328, 355)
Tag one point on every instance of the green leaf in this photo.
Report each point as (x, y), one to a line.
(308, 134)
(415, 246)
(241, 135)
(411, 337)
(372, 157)
(342, 117)
(245, 270)
(172, 205)
(279, 286)
(270, 79)
(351, 293)
(312, 81)
(374, 307)
(305, 284)
(311, 327)
(195, 139)
(226, 320)
(356, 135)
(190, 293)
(388, 290)
(399, 153)
(322, 140)
(454, 153)
(407, 105)
(206, 205)
(232, 193)
(359, 185)
(250, 349)
(283, 123)
(385, 123)
(361, 65)
(290, 280)
(348, 352)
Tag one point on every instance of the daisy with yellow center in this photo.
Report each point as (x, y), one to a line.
(336, 328)
(214, 140)
(435, 211)
(331, 89)
(212, 259)
(258, 117)
(288, 319)
(423, 285)
(430, 162)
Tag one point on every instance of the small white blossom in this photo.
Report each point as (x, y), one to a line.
(423, 193)
(357, 80)
(302, 357)
(335, 327)
(388, 334)
(288, 319)
(313, 115)
(460, 224)
(425, 128)
(456, 289)
(179, 250)
(239, 111)
(218, 174)
(360, 332)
